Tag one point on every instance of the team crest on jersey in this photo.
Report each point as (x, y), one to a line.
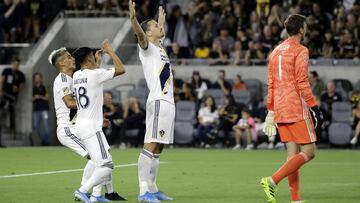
(66, 90)
(162, 133)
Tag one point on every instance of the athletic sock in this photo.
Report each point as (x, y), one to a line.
(154, 172)
(96, 178)
(88, 171)
(292, 165)
(294, 185)
(108, 185)
(96, 192)
(144, 167)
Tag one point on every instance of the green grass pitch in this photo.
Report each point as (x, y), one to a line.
(189, 175)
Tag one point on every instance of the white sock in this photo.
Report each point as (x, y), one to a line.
(96, 192)
(154, 172)
(99, 175)
(88, 171)
(108, 185)
(144, 167)
(272, 182)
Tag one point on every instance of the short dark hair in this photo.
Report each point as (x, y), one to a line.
(80, 55)
(222, 71)
(145, 24)
(37, 73)
(314, 73)
(293, 23)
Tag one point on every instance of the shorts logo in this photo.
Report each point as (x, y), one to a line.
(162, 133)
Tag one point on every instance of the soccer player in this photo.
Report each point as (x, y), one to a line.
(64, 101)
(292, 107)
(88, 89)
(160, 107)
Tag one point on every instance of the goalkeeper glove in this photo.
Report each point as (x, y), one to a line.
(317, 117)
(270, 126)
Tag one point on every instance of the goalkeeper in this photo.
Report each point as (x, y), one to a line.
(292, 107)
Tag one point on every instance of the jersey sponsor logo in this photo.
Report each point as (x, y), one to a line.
(164, 75)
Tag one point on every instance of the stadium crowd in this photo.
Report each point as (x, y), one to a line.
(224, 32)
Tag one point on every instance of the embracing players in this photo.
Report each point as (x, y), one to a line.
(64, 101)
(292, 107)
(160, 106)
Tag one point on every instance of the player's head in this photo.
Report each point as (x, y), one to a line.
(61, 59)
(15, 62)
(84, 57)
(152, 29)
(295, 25)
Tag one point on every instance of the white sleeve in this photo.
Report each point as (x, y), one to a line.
(147, 51)
(63, 87)
(103, 75)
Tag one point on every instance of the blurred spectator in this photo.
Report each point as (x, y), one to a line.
(349, 48)
(90, 7)
(238, 54)
(40, 100)
(268, 41)
(177, 54)
(238, 83)
(187, 93)
(221, 83)
(134, 119)
(329, 97)
(275, 17)
(352, 25)
(355, 98)
(245, 127)
(177, 28)
(226, 41)
(114, 113)
(202, 51)
(255, 51)
(13, 19)
(328, 50)
(207, 117)
(34, 12)
(198, 85)
(229, 114)
(317, 85)
(356, 124)
(114, 7)
(12, 82)
(217, 56)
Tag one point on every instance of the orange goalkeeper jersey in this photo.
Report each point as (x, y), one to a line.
(289, 92)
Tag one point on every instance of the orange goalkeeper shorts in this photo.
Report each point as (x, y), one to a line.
(301, 132)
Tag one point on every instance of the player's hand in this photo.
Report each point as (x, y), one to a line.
(132, 11)
(317, 117)
(106, 123)
(161, 18)
(269, 126)
(106, 46)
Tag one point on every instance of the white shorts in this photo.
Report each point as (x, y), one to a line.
(68, 138)
(96, 145)
(160, 118)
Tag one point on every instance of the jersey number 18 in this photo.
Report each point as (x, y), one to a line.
(82, 100)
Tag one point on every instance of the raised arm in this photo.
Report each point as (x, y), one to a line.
(139, 32)
(161, 19)
(119, 66)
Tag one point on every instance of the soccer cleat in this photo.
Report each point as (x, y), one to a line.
(114, 196)
(78, 200)
(82, 196)
(354, 141)
(236, 147)
(161, 196)
(148, 197)
(98, 199)
(268, 189)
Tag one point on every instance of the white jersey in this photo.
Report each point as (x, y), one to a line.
(63, 85)
(158, 74)
(88, 89)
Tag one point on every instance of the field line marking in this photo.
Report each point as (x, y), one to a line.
(63, 171)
